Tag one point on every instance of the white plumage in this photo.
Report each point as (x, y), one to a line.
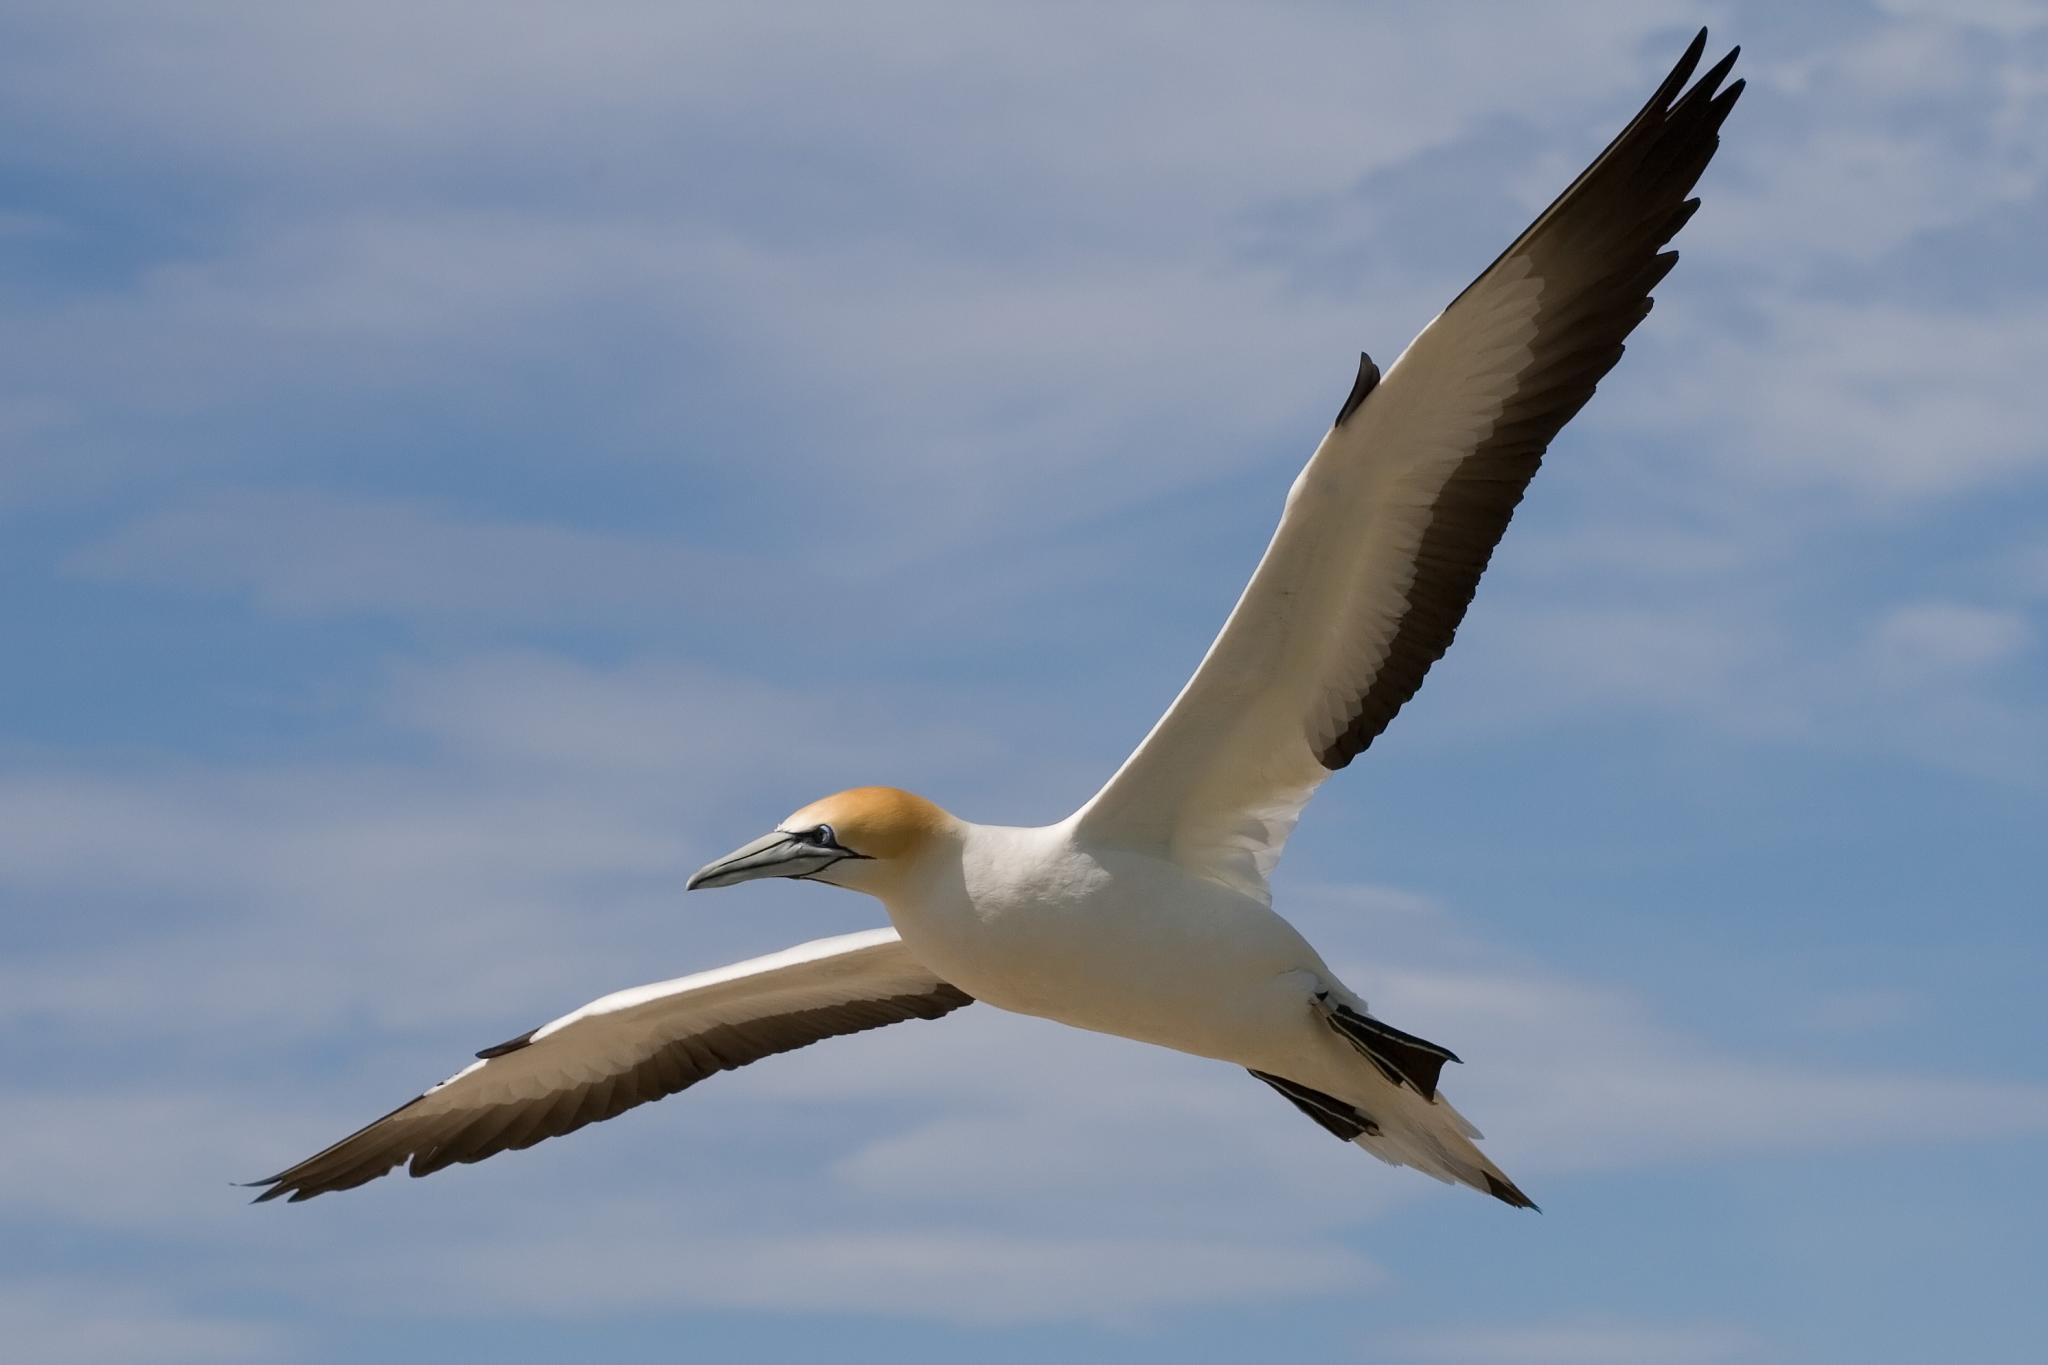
(1147, 914)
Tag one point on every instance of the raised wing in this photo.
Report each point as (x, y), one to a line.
(632, 1047)
(1387, 530)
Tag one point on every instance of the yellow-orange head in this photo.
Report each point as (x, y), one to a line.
(863, 838)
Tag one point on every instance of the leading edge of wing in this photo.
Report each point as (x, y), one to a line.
(628, 1049)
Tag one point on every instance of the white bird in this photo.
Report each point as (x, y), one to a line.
(1146, 913)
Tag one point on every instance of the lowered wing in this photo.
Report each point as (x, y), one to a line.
(632, 1047)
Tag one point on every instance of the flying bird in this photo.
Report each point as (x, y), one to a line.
(1146, 913)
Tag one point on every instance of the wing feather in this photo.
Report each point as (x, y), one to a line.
(1389, 527)
(630, 1048)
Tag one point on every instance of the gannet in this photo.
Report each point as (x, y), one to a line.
(1146, 913)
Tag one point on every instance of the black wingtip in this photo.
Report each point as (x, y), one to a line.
(1683, 71)
(1505, 1191)
(1719, 70)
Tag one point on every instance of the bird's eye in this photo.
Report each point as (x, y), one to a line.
(822, 836)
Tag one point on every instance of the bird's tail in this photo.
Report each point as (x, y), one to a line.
(1437, 1140)
(1413, 1124)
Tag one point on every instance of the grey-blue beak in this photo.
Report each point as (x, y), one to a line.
(775, 854)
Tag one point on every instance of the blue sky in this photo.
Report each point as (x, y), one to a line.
(463, 465)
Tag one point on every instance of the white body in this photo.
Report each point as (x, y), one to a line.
(1118, 941)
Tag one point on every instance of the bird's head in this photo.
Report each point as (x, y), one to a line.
(865, 839)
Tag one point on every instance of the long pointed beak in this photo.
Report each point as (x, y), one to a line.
(774, 854)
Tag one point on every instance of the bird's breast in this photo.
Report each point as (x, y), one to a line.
(1119, 944)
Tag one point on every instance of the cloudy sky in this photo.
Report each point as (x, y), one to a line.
(464, 465)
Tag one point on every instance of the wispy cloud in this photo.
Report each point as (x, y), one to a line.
(968, 1275)
(1583, 1078)
(1924, 641)
(2010, 17)
(1589, 1343)
(304, 554)
(1934, 682)
(94, 1321)
(1877, 401)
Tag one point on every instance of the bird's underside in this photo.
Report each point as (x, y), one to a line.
(1378, 553)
